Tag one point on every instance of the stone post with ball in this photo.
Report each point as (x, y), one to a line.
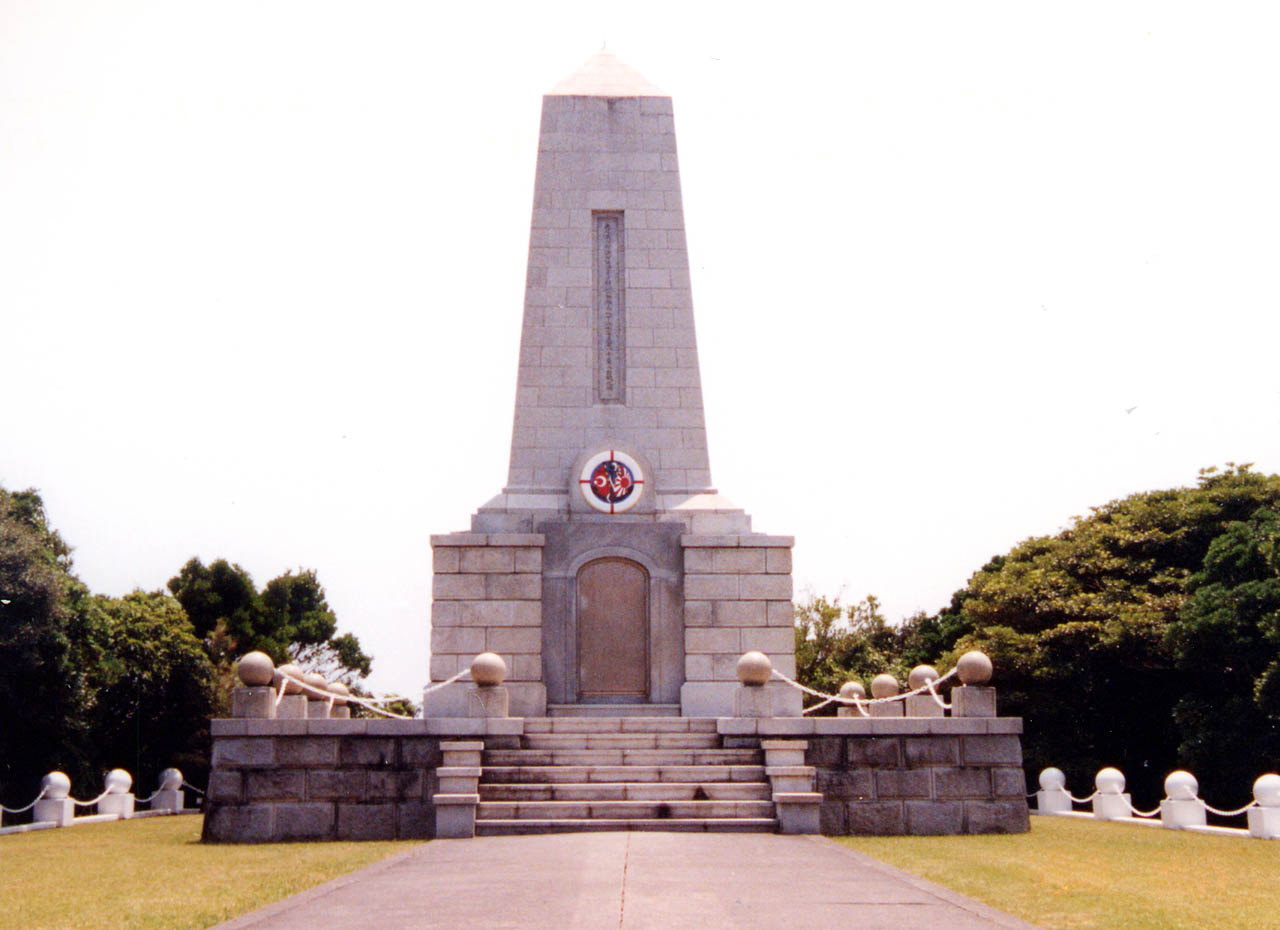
(752, 698)
(883, 686)
(1111, 802)
(119, 799)
(973, 698)
(1264, 818)
(486, 695)
(255, 696)
(55, 804)
(292, 704)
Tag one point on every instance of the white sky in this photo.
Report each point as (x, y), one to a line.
(261, 272)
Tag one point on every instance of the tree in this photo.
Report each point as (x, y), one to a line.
(1227, 641)
(152, 686)
(222, 604)
(290, 619)
(42, 688)
(837, 643)
(1077, 626)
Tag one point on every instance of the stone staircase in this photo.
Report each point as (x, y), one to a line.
(568, 774)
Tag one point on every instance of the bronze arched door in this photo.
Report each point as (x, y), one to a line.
(613, 630)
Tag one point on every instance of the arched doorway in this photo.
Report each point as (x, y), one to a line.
(613, 631)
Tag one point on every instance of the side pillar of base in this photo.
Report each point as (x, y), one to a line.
(486, 596)
(737, 598)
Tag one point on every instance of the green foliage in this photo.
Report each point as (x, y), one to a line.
(837, 643)
(91, 682)
(43, 686)
(221, 602)
(1094, 644)
(152, 686)
(1227, 640)
(1145, 636)
(289, 619)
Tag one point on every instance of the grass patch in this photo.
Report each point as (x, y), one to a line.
(155, 874)
(1078, 875)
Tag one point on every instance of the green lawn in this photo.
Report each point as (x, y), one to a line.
(1071, 874)
(155, 874)
(1064, 875)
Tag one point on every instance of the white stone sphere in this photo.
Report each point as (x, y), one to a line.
(488, 670)
(256, 669)
(118, 781)
(291, 670)
(170, 780)
(883, 686)
(974, 668)
(920, 676)
(316, 681)
(340, 693)
(55, 785)
(1052, 779)
(754, 668)
(852, 689)
(1109, 781)
(1181, 786)
(1266, 790)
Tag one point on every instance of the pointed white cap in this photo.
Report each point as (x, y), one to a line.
(605, 75)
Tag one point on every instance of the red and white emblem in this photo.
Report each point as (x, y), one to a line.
(611, 482)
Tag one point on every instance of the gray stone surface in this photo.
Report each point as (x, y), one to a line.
(569, 546)
(629, 881)
(298, 787)
(608, 361)
(253, 702)
(959, 783)
(973, 701)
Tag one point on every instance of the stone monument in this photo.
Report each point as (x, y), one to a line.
(609, 573)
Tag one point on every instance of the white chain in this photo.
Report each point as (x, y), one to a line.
(859, 702)
(21, 810)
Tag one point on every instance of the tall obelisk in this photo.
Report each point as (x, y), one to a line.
(609, 570)
(607, 352)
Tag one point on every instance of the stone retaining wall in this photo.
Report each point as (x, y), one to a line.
(910, 776)
(280, 780)
(277, 780)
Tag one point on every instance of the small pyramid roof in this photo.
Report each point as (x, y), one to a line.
(606, 75)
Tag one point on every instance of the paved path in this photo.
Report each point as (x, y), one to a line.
(629, 881)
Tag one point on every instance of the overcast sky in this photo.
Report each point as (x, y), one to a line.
(961, 271)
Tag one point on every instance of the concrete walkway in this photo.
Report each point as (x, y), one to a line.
(629, 881)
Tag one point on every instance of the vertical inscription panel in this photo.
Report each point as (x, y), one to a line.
(611, 322)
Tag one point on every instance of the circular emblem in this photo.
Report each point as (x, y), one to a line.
(611, 482)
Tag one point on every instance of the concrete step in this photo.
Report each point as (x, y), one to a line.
(620, 725)
(613, 710)
(595, 774)
(620, 741)
(685, 825)
(659, 757)
(622, 810)
(629, 791)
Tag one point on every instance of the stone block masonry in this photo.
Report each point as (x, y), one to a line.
(358, 786)
(737, 598)
(286, 780)
(608, 373)
(487, 597)
(892, 776)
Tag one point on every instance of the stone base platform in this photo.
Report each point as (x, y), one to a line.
(283, 780)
